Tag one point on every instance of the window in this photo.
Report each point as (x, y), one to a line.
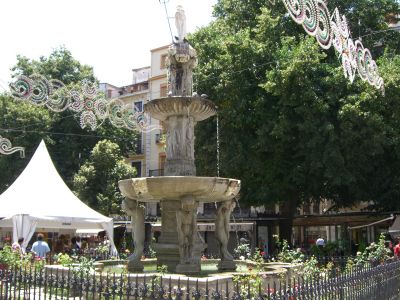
(138, 166)
(139, 145)
(161, 161)
(316, 208)
(138, 106)
(163, 90)
(163, 60)
(306, 208)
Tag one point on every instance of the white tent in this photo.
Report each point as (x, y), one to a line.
(40, 198)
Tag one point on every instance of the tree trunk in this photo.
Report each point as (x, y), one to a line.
(287, 210)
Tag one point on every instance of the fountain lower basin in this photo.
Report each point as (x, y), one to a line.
(179, 246)
(202, 189)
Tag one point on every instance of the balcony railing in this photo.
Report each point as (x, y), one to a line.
(156, 172)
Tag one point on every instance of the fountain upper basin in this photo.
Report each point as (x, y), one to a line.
(202, 189)
(197, 107)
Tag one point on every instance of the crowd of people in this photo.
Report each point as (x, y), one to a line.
(41, 249)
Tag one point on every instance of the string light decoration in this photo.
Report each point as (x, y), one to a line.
(333, 29)
(6, 148)
(83, 99)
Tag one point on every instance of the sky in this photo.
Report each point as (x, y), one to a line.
(112, 36)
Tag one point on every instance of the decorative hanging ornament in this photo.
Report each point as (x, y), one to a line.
(89, 104)
(6, 148)
(39, 91)
(84, 99)
(333, 30)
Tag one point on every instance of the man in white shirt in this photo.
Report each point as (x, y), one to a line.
(320, 242)
(40, 247)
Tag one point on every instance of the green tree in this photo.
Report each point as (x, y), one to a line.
(19, 118)
(68, 144)
(292, 128)
(96, 182)
(60, 64)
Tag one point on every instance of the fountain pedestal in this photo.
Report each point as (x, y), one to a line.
(169, 245)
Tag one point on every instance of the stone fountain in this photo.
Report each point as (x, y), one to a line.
(180, 192)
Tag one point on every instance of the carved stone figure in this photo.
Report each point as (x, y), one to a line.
(186, 227)
(172, 141)
(181, 61)
(222, 228)
(189, 139)
(136, 211)
(180, 23)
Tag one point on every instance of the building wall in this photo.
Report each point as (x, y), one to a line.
(157, 56)
(140, 75)
(110, 91)
(158, 79)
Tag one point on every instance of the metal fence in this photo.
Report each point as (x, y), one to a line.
(380, 282)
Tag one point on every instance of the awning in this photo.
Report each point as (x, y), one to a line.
(372, 224)
(88, 231)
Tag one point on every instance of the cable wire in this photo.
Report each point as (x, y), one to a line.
(64, 134)
(166, 13)
(397, 28)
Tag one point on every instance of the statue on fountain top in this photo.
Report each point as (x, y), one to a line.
(181, 60)
(180, 23)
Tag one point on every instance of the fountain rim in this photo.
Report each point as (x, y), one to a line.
(215, 191)
(165, 107)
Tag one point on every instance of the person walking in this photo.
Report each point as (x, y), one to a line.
(320, 242)
(40, 247)
(17, 246)
(397, 250)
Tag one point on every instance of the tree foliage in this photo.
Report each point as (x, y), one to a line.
(26, 124)
(292, 128)
(96, 182)
(20, 116)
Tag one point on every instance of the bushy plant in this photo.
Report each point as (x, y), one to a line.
(152, 253)
(9, 257)
(375, 253)
(102, 249)
(242, 251)
(65, 260)
(378, 253)
(310, 269)
(84, 265)
(286, 254)
(250, 283)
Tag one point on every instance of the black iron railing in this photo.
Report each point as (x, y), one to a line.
(156, 172)
(379, 282)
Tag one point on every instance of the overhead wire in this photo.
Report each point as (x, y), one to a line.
(63, 134)
(166, 13)
(397, 28)
(38, 123)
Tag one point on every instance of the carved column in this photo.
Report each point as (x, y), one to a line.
(182, 59)
(222, 228)
(136, 212)
(180, 146)
(187, 236)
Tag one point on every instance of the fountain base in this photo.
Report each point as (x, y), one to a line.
(135, 266)
(179, 197)
(226, 265)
